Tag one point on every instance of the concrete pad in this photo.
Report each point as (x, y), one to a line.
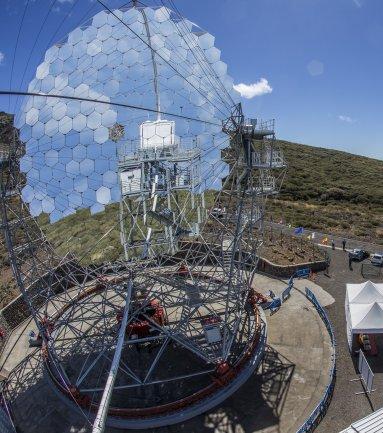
(289, 384)
(17, 347)
(324, 298)
(264, 283)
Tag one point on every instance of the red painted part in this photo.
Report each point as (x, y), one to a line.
(224, 374)
(222, 368)
(74, 391)
(45, 352)
(211, 320)
(216, 384)
(256, 298)
(226, 378)
(140, 328)
(159, 315)
(48, 325)
(183, 270)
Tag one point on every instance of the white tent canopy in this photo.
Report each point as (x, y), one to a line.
(365, 293)
(364, 309)
(367, 318)
(372, 423)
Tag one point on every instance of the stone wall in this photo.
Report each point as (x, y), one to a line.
(17, 311)
(286, 271)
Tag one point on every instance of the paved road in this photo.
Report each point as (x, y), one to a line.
(346, 407)
(351, 243)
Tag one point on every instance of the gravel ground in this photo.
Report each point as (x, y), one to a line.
(346, 407)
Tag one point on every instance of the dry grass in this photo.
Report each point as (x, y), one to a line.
(331, 191)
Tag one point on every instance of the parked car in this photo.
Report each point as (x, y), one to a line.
(377, 259)
(358, 254)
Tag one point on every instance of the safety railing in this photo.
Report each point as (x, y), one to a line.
(268, 158)
(6, 422)
(277, 302)
(268, 125)
(132, 150)
(318, 413)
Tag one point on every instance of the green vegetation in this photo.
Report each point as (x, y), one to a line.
(96, 239)
(6, 129)
(92, 238)
(325, 190)
(331, 191)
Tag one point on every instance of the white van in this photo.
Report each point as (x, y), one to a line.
(377, 259)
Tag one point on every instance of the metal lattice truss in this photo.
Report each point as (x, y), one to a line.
(162, 200)
(144, 56)
(178, 308)
(187, 302)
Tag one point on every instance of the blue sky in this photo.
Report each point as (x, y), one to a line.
(320, 60)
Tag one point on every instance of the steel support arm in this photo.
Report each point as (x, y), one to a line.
(99, 422)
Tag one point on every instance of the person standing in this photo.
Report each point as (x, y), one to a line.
(333, 244)
(344, 244)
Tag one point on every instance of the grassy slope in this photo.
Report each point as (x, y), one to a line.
(89, 237)
(85, 236)
(324, 190)
(8, 288)
(331, 191)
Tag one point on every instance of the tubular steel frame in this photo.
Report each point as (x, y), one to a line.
(76, 312)
(204, 284)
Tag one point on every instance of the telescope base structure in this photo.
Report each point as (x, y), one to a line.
(159, 384)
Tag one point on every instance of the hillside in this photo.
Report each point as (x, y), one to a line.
(8, 289)
(96, 239)
(331, 191)
(6, 129)
(325, 190)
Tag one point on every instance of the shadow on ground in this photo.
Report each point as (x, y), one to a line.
(255, 406)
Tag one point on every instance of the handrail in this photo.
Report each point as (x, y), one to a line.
(6, 421)
(320, 410)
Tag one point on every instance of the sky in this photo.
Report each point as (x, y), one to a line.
(316, 66)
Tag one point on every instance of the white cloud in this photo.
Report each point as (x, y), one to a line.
(358, 3)
(248, 91)
(2, 57)
(347, 119)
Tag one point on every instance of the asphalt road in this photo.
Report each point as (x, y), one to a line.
(347, 407)
(350, 243)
